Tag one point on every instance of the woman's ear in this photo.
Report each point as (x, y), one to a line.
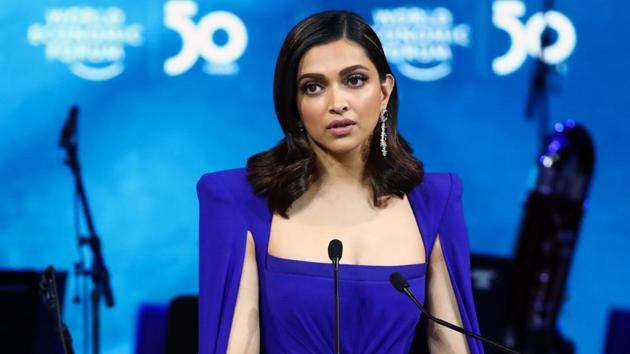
(387, 86)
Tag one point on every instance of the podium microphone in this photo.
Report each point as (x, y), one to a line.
(335, 249)
(401, 284)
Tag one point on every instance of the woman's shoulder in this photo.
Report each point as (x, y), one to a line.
(431, 197)
(437, 202)
(440, 185)
(231, 183)
(230, 191)
(235, 175)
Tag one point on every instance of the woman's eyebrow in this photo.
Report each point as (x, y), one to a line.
(351, 68)
(312, 76)
(342, 72)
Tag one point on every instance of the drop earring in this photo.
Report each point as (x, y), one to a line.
(383, 119)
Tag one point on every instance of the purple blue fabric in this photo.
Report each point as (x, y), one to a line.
(296, 297)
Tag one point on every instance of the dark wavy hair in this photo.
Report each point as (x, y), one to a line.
(286, 171)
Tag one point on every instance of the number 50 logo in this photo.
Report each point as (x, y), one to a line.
(525, 37)
(197, 39)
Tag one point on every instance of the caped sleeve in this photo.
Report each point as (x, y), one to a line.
(454, 241)
(222, 241)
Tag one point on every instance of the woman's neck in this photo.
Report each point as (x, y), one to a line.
(341, 170)
(339, 187)
(340, 196)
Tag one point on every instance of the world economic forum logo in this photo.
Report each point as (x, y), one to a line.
(419, 42)
(91, 41)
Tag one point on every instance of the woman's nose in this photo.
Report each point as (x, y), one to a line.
(338, 102)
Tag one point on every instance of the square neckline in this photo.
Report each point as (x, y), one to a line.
(280, 264)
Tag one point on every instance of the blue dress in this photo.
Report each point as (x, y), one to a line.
(296, 297)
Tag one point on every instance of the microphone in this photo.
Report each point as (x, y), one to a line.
(335, 249)
(68, 133)
(401, 284)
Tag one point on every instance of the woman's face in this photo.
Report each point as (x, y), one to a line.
(340, 96)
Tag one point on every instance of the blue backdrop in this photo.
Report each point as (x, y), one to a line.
(170, 90)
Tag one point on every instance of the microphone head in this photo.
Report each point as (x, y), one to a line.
(399, 281)
(335, 249)
(68, 132)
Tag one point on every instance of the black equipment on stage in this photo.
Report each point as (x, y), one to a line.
(26, 325)
(618, 340)
(550, 225)
(182, 326)
(548, 233)
(490, 281)
(98, 271)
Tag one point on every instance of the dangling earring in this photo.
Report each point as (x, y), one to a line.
(300, 126)
(383, 119)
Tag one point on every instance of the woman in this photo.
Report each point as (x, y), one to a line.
(342, 171)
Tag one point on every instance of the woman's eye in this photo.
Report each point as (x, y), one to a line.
(311, 88)
(356, 80)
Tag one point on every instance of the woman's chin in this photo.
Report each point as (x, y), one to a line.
(340, 147)
(344, 149)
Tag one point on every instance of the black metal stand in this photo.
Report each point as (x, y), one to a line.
(98, 271)
(550, 224)
(538, 96)
(95, 321)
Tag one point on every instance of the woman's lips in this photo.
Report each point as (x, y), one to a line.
(340, 127)
(341, 131)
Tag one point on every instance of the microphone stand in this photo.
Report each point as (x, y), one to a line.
(337, 324)
(335, 250)
(538, 96)
(547, 336)
(401, 284)
(453, 327)
(98, 272)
